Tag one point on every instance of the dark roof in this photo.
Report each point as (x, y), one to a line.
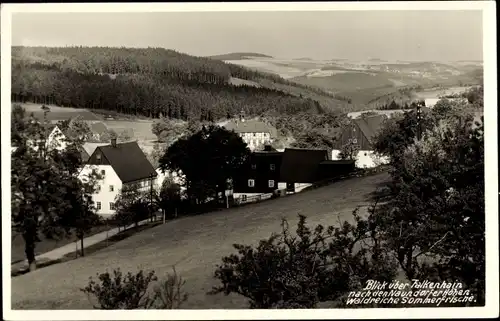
(265, 153)
(128, 160)
(301, 165)
(370, 125)
(250, 126)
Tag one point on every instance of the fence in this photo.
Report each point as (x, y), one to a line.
(252, 199)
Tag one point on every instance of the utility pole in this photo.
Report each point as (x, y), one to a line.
(151, 196)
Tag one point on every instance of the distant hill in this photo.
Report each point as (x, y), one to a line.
(156, 82)
(238, 56)
(376, 60)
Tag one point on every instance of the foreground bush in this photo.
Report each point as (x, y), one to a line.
(139, 291)
(287, 271)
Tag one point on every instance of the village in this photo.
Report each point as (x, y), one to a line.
(294, 160)
(268, 172)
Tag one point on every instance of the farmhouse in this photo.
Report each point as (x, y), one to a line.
(300, 167)
(291, 170)
(54, 139)
(360, 132)
(89, 149)
(119, 165)
(259, 175)
(255, 133)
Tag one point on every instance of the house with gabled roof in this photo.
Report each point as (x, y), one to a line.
(361, 132)
(119, 165)
(290, 170)
(300, 167)
(260, 174)
(255, 133)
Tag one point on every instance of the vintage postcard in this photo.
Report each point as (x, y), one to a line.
(295, 160)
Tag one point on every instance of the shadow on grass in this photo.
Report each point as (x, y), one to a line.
(91, 249)
(382, 193)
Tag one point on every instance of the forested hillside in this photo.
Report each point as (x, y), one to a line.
(152, 82)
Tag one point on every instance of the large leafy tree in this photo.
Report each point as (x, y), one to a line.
(207, 159)
(169, 196)
(436, 222)
(47, 196)
(132, 205)
(399, 132)
(76, 130)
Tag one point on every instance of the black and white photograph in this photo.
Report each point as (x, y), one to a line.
(316, 160)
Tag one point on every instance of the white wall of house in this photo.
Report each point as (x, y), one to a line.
(364, 159)
(56, 140)
(281, 185)
(300, 186)
(109, 188)
(254, 140)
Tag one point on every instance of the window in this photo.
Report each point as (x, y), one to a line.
(98, 189)
(254, 134)
(254, 166)
(98, 157)
(98, 205)
(270, 183)
(111, 188)
(112, 206)
(103, 172)
(251, 183)
(272, 167)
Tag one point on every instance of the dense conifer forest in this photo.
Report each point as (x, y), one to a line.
(151, 82)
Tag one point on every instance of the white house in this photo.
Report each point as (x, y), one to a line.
(255, 133)
(57, 139)
(54, 139)
(361, 131)
(119, 165)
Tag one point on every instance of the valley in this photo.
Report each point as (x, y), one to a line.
(363, 82)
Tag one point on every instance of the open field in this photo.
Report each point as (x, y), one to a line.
(141, 128)
(194, 244)
(441, 92)
(59, 113)
(45, 245)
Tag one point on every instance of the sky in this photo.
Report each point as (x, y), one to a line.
(391, 35)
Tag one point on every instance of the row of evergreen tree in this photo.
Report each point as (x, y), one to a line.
(168, 68)
(176, 94)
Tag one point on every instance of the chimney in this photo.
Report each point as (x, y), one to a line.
(113, 142)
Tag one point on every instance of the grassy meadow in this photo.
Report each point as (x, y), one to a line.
(195, 245)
